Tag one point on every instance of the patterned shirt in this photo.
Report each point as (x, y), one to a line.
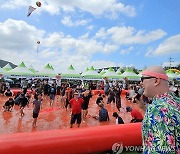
(161, 125)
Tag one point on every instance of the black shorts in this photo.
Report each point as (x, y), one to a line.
(75, 117)
(85, 107)
(52, 97)
(45, 92)
(35, 115)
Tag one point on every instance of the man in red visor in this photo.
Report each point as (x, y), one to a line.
(161, 124)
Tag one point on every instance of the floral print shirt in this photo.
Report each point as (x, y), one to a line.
(161, 125)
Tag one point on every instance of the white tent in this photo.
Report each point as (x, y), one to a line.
(31, 68)
(19, 71)
(111, 74)
(119, 71)
(102, 72)
(84, 73)
(70, 73)
(130, 74)
(91, 74)
(7, 67)
(47, 71)
(140, 74)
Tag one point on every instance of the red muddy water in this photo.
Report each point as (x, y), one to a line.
(56, 117)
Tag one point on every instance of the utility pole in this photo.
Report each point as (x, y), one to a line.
(170, 61)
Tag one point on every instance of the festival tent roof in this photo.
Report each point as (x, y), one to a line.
(20, 70)
(87, 69)
(31, 68)
(91, 73)
(111, 74)
(129, 73)
(119, 71)
(140, 74)
(47, 71)
(102, 72)
(71, 73)
(7, 67)
(51, 67)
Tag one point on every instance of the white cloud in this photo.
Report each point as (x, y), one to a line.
(101, 34)
(81, 45)
(18, 35)
(129, 35)
(120, 65)
(47, 53)
(68, 22)
(149, 52)
(96, 7)
(169, 46)
(126, 51)
(18, 42)
(13, 4)
(90, 27)
(85, 36)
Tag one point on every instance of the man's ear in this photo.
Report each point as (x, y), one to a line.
(157, 81)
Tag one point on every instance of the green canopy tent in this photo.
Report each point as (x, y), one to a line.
(70, 73)
(111, 74)
(91, 74)
(31, 68)
(84, 73)
(21, 71)
(119, 71)
(102, 72)
(47, 72)
(130, 74)
(7, 67)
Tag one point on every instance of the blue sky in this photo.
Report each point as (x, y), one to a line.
(101, 33)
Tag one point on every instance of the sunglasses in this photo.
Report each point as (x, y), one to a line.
(146, 77)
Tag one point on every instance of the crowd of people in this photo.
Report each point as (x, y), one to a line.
(160, 125)
(74, 97)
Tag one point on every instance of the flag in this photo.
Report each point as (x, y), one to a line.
(31, 9)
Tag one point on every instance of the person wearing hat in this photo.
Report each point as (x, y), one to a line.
(76, 104)
(119, 120)
(136, 115)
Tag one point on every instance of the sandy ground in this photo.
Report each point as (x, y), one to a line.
(55, 117)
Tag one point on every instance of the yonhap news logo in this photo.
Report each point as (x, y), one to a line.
(117, 148)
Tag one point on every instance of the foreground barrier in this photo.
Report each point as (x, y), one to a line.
(82, 140)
